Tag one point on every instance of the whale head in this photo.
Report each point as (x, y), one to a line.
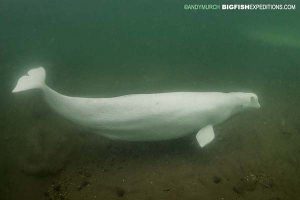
(247, 100)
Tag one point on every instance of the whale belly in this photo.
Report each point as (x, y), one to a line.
(158, 130)
(144, 135)
(150, 117)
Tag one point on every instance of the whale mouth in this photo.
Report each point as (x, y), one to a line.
(258, 105)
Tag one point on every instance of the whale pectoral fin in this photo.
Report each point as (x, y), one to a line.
(205, 135)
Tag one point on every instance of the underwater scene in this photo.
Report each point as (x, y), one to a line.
(147, 100)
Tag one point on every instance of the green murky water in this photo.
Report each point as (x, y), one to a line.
(110, 48)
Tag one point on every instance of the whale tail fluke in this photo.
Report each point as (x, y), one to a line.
(35, 79)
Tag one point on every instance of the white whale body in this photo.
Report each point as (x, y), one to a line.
(144, 117)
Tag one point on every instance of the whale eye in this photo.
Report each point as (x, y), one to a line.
(252, 99)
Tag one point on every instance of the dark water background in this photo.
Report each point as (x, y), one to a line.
(109, 48)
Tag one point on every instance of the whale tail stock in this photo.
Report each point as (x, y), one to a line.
(35, 78)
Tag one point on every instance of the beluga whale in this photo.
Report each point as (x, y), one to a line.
(144, 117)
